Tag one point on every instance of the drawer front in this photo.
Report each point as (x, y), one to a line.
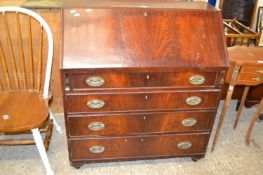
(140, 123)
(252, 69)
(82, 81)
(142, 101)
(250, 79)
(138, 147)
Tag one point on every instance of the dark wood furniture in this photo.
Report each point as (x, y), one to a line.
(141, 83)
(246, 69)
(243, 10)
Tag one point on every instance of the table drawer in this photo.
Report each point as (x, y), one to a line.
(140, 123)
(252, 69)
(82, 81)
(139, 101)
(250, 79)
(143, 146)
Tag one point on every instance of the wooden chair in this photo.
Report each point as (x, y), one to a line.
(24, 102)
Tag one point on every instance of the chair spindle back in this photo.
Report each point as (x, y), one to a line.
(25, 42)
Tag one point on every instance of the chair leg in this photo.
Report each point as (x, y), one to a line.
(41, 150)
(58, 128)
(241, 105)
(251, 125)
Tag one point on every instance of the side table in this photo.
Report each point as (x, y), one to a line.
(246, 68)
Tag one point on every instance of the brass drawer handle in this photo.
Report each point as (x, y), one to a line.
(189, 122)
(194, 100)
(95, 81)
(95, 104)
(96, 126)
(97, 149)
(196, 79)
(184, 145)
(257, 78)
(260, 71)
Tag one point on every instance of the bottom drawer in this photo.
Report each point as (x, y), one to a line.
(138, 147)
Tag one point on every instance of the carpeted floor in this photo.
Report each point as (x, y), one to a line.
(231, 156)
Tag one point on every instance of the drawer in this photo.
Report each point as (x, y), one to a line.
(141, 101)
(138, 147)
(145, 123)
(252, 69)
(250, 79)
(89, 81)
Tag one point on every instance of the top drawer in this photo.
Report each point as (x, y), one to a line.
(89, 81)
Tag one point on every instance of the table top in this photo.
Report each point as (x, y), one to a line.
(143, 38)
(246, 55)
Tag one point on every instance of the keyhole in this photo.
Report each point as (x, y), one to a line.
(147, 77)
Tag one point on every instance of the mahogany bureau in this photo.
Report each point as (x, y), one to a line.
(141, 83)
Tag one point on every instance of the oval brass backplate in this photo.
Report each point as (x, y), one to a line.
(95, 104)
(95, 81)
(194, 100)
(184, 145)
(196, 79)
(97, 149)
(96, 126)
(189, 122)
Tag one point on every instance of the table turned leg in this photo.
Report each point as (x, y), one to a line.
(223, 114)
(251, 125)
(226, 104)
(241, 105)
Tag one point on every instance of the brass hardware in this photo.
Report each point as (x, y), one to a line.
(97, 149)
(96, 126)
(257, 78)
(95, 104)
(184, 145)
(144, 117)
(95, 81)
(67, 87)
(235, 72)
(146, 97)
(260, 71)
(189, 122)
(196, 79)
(221, 81)
(194, 100)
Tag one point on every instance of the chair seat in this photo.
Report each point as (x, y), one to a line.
(21, 111)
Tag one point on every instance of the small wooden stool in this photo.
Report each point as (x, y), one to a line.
(246, 68)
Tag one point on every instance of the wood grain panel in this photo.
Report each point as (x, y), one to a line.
(140, 147)
(142, 101)
(143, 123)
(166, 38)
(77, 81)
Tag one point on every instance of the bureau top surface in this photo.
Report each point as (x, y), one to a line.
(143, 37)
(106, 3)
